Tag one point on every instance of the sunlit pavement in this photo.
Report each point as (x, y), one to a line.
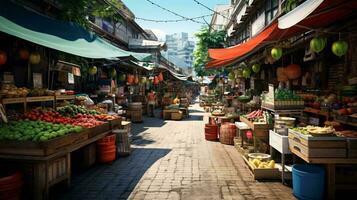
(172, 160)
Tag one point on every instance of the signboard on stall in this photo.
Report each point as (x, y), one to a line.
(70, 78)
(37, 80)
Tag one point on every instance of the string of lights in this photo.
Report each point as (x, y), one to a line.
(174, 13)
(173, 20)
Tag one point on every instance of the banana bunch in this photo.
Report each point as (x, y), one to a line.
(263, 165)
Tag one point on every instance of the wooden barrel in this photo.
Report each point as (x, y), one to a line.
(135, 106)
(211, 132)
(227, 133)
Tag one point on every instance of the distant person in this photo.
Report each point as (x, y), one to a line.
(151, 103)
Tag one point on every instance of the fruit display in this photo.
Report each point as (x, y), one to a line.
(259, 116)
(315, 130)
(262, 165)
(87, 121)
(106, 117)
(35, 130)
(73, 110)
(11, 91)
(83, 120)
(37, 92)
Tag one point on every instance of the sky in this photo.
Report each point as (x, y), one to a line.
(186, 8)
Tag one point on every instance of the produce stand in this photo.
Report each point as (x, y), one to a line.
(260, 131)
(49, 162)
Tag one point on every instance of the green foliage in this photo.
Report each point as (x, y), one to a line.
(206, 40)
(78, 11)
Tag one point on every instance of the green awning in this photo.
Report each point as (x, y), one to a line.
(60, 35)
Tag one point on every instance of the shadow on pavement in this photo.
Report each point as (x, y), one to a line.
(112, 181)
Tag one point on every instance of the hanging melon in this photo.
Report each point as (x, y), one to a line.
(317, 44)
(112, 73)
(280, 73)
(136, 79)
(293, 71)
(130, 79)
(24, 54)
(121, 77)
(92, 70)
(256, 68)
(276, 53)
(339, 48)
(35, 58)
(246, 73)
(3, 57)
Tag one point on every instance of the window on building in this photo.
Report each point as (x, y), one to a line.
(271, 9)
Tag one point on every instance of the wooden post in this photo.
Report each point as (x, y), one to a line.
(331, 180)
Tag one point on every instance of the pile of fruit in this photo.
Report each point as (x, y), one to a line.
(35, 130)
(11, 91)
(83, 120)
(262, 165)
(316, 130)
(73, 110)
(259, 116)
(106, 117)
(87, 121)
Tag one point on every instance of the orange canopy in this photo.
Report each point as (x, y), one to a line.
(327, 13)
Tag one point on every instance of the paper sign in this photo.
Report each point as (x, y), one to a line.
(70, 78)
(76, 71)
(37, 80)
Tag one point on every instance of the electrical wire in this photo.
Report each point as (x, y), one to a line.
(174, 13)
(218, 13)
(173, 20)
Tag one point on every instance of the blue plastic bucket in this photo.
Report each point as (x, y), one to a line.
(308, 182)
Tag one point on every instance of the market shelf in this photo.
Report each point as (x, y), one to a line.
(65, 97)
(346, 122)
(283, 111)
(14, 100)
(40, 99)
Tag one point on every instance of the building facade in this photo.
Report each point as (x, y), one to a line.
(250, 17)
(180, 50)
(221, 17)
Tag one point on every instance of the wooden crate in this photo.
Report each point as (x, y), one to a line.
(255, 125)
(317, 147)
(92, 132)
(262, 174)
(49, 147)
(115, 123)
(317, 142)
(352, 147)
(176, 115)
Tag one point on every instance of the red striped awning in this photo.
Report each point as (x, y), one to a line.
(327, 13)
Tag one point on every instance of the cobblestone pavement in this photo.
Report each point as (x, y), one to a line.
(172, 160)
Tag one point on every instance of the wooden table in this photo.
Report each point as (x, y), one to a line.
(330, 165)
(51, 169)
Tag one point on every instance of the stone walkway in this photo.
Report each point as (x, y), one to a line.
(172, 160)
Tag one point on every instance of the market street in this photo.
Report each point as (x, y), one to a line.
(172, 160)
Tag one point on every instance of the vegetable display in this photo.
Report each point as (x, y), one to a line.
(259, 116)
(73, 110)
(35, 130)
